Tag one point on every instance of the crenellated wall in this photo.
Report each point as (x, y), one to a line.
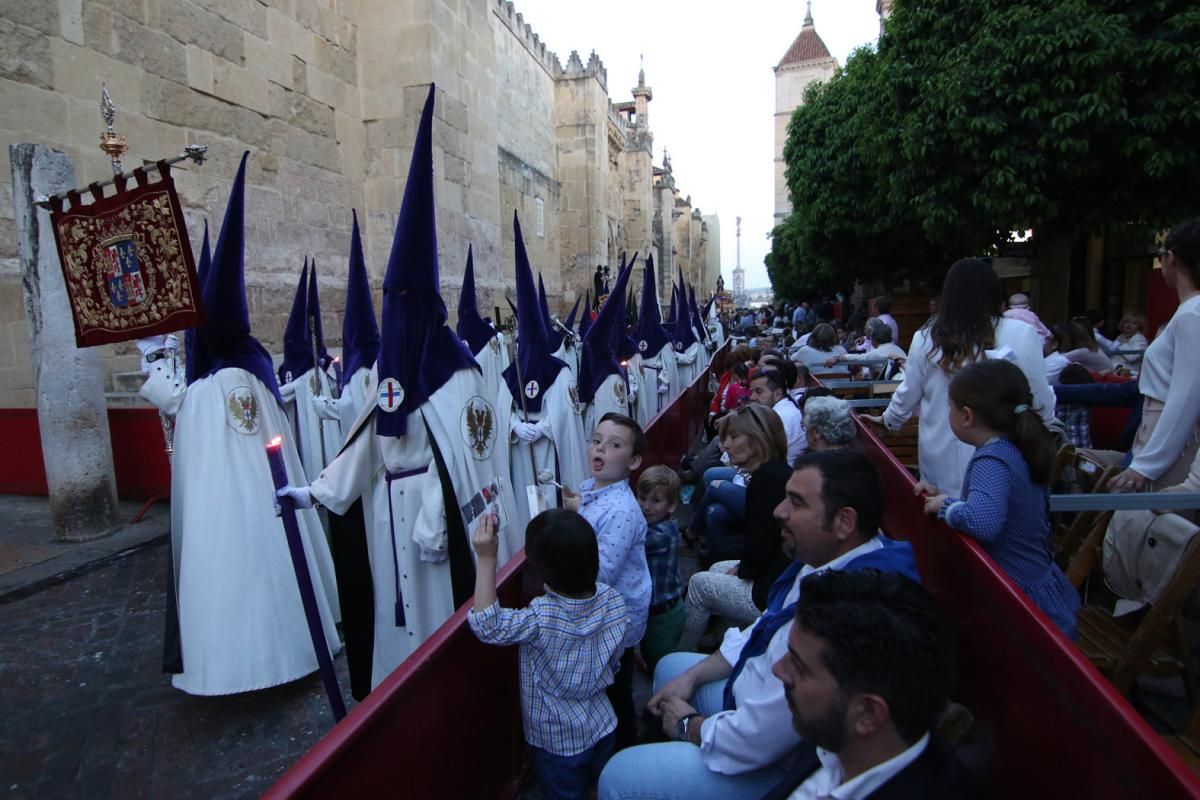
(326, 94)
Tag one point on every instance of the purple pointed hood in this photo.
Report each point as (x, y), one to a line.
(224, 341)
(651, 336)
(189, 336)
(297, 341)
(417, 349)
(599, 358)
(360, 331)
(471, 327)
(534, 369)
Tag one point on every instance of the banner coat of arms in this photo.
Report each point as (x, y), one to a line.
(127, 262)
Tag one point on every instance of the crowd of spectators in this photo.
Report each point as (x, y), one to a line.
(832, 664)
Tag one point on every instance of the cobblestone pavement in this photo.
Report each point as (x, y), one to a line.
(86, 711)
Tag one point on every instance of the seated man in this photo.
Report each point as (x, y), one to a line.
(728, 712)
(869, 666)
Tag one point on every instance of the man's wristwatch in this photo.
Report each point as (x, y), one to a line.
(681, 727)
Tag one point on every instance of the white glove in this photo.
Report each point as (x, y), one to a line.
(325, 407)
(663, 388)
(299, 494)
(171, 342)
(527, 431)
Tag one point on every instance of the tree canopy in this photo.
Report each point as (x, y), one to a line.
(973, 119)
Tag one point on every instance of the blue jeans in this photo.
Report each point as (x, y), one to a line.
(674, 769)
(570, 777)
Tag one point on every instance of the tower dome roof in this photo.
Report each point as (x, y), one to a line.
(808, 46)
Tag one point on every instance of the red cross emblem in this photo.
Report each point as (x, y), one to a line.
(391, 395)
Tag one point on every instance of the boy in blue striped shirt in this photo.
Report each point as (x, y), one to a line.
(571, 642)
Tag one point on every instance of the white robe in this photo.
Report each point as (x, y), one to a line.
(689, 366)
(493, 360)
(611, 397)
(416, 527)
(241, 622)
(663, 366)
(568, 353)
(297, 396)
(562, 449)
(356, 394)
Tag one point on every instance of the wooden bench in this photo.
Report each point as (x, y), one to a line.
(903, 444)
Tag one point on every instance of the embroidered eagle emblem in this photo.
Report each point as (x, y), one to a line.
(242, 410)
(619, 392)
(573, 393)
(479, 427)
(314, 384)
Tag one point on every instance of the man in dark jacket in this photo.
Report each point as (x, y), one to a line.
(869, 666)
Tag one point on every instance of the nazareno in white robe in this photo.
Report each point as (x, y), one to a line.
(241, 621)
(562, 449)
(664, 367)
(645, 404)
(689, 365)
(297, 396)
(356, 394)
(409, 545)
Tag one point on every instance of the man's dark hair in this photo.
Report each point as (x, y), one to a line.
(637, 436)
(883, 305)
(848, 480)
(883, 634)
(816, 391)
(561, 546)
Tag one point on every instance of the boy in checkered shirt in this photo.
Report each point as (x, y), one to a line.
(571, 642)
(658, 495)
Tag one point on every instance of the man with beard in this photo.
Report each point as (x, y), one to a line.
(727, 712)
(869, 667)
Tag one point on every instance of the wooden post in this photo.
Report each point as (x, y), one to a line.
(68, 381)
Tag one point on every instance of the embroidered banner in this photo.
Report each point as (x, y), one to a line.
(127, 261)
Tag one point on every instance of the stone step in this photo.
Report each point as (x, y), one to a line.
(126, 400)
(128, 381)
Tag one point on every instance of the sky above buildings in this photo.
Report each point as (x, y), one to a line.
(710, 64)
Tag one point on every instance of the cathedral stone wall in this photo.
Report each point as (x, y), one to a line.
(326, 97)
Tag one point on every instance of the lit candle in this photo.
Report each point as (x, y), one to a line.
(275, 458)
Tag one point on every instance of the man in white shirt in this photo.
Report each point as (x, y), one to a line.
(728, 711)
(869, 667)
(770, 387)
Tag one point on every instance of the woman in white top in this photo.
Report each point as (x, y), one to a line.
(967, 328)
(1168, 439)
(822, 345)
(884, 348)
(1079, 346)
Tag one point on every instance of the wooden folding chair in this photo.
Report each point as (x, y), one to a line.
(1187, 742)
(1151, 641)
(1075, 472)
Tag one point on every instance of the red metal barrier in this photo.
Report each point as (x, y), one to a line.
(1049, 724)
(139, 454)
(447, 722)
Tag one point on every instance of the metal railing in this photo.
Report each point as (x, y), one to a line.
(1126, 501)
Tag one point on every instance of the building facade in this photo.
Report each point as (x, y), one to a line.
(806, 61)
(326, 96)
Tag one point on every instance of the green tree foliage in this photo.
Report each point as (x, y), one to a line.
(979, 117)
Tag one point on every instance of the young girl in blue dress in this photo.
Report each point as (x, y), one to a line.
(1004, 504)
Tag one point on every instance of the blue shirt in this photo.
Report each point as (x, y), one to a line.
(662, 556)
(620, 529)
(570, 649)
(1008, 514)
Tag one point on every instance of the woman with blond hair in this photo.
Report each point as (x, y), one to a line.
(747, 547)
